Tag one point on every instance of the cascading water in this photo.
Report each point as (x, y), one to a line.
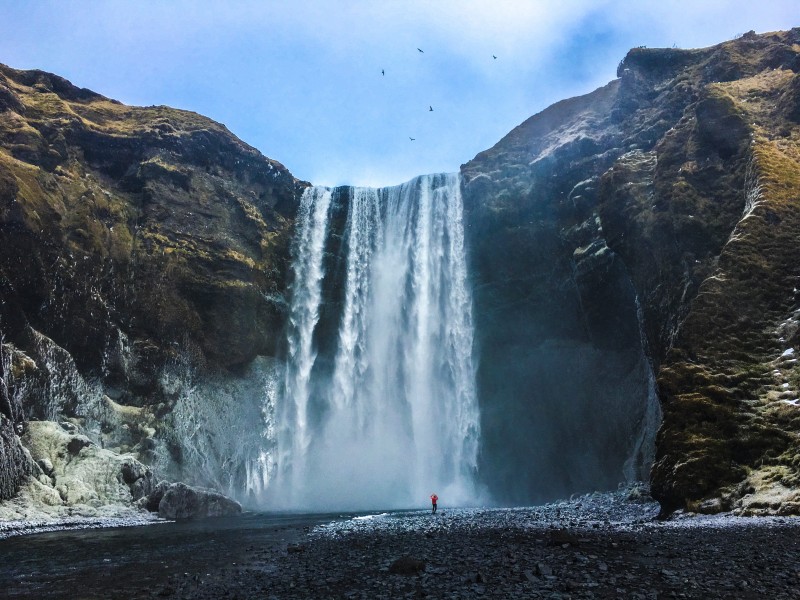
(293, 435)
(637, 467)
(395, 416)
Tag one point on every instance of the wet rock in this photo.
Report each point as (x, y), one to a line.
(711, 506)
(142, 487)
(475, 577)
(407, 565)
(181, 501)
(559, 537)
(14, 461)
(46, 465)
(133, 470)
(77, 443)
(155, 496)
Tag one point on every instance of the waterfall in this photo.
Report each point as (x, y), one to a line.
(640, 460)
(306, 299)
(394, 416)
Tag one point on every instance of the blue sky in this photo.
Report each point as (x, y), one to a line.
(301, 80)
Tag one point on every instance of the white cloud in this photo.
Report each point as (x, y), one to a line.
(301, 79)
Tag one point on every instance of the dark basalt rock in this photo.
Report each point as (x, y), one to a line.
(14, 462)
(76, 444)
(155, 496)
(407, 565)
(626, 205)
(181, 501)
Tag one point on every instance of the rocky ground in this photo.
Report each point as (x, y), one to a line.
(113, 517)
(596, 546)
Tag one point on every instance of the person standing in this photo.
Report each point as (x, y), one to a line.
(434, 499)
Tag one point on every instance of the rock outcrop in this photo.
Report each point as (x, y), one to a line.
(70, 475)
(671, 195)
(15, 464)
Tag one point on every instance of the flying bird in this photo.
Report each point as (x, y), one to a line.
(430, 108)
(494, 57)
(421, 50)
(382, 73)
(412, 139)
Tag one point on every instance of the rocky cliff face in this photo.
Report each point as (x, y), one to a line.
(135, 242)
(665, 203)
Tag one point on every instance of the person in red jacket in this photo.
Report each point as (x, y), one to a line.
(434, 498)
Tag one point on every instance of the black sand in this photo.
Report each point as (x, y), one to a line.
(598, 546)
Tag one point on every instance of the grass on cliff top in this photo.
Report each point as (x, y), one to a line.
(111, 117)
(758, 97)
(779, 171)
(36, 202)
(93, 219)
(120, 119)
(758, 92)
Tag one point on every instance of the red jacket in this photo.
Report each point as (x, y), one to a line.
(434, 498)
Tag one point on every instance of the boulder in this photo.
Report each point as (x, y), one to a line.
(181, 501)
(155, 496)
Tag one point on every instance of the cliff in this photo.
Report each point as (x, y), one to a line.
(662, 206)
(134, 240)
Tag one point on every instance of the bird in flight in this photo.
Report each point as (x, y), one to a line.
(430, 108)
(412, 139)
(421, 50)
(494, 57)
(382, 72)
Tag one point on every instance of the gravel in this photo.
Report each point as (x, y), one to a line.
(595, 546)
(125, 518)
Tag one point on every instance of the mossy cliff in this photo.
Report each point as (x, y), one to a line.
(682, 179)
(132, 238)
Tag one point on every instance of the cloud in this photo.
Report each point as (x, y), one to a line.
(301, 80)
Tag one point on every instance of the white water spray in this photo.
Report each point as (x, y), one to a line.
(306, 299)
(396, 418)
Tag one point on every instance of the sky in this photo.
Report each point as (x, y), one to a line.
(301, 80)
